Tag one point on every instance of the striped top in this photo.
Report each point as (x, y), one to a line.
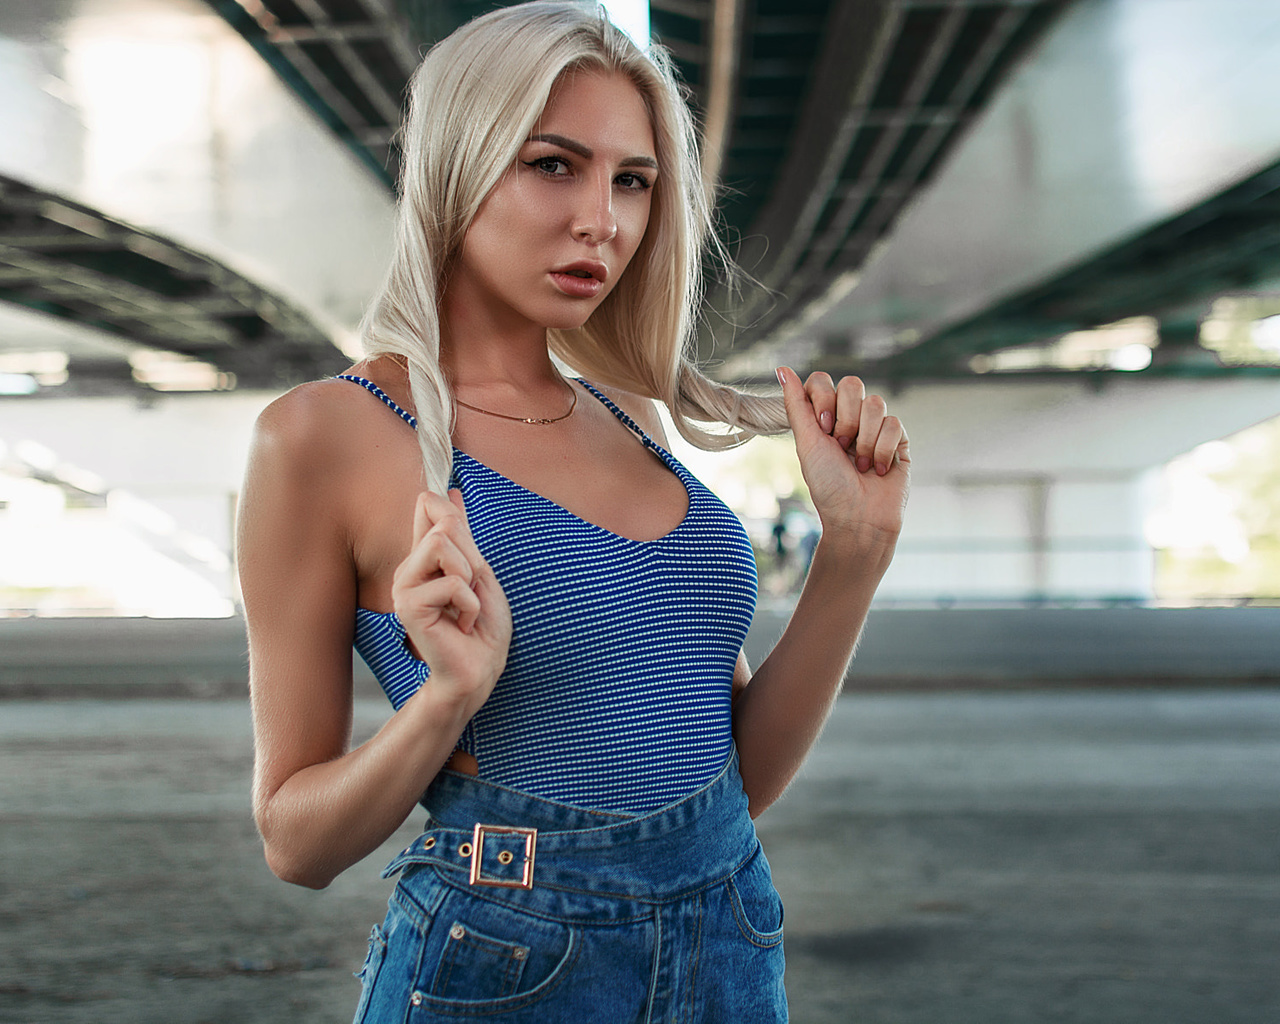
(617, 689)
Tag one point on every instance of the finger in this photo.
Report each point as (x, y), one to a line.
(903, 453)
(435, 555)
(800, 414)
(426, 604)
(822, 396)
(421, 520)
(849, 395)
(869, 423)
(449, 515)
(430, 510)
(887, 444)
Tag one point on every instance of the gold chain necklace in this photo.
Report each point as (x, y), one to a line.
(536, 421)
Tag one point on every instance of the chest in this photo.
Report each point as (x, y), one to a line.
(606, 478)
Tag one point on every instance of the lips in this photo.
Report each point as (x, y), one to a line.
(582, 279)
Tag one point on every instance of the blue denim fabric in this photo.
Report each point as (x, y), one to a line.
(663, 917)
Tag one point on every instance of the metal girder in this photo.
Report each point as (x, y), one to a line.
(893, 83)
(1171, 271)
(69, 261)
(821, 118)
(349, 60)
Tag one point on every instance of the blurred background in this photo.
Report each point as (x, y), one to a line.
(1047, 230)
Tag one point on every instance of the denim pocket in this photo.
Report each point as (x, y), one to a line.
(477, 964)
(757, 907)
(483, 954)
(368, 973)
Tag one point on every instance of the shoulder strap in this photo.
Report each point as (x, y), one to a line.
(627, 421)
(377, 392)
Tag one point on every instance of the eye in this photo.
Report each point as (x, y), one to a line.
(634, 182)
(552, 166)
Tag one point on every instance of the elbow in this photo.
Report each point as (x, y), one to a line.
(295, 871)
(283, 857)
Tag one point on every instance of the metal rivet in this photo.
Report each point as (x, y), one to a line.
(416, 999)
(506, 857)
(429, 842)
(464, 850)
(457, 932)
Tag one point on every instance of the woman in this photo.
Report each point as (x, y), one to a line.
(554, 605)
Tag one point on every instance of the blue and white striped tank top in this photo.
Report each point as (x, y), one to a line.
(617, 689)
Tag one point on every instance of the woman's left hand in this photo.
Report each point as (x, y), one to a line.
(854, 456)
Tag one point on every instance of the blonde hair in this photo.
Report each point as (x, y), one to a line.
(474, 101)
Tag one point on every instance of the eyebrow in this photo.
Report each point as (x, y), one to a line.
(586, 153)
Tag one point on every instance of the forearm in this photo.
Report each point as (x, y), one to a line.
(327, 816)
(778, 717)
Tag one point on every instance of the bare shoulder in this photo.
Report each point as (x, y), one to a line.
(643, 410)
(316, 424)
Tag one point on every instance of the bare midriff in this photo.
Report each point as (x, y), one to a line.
(463, 762)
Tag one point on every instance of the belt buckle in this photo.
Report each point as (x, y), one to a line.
(477, 850)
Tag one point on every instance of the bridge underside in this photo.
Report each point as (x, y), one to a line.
(833, 128)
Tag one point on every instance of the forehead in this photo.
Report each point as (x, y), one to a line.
(605, 104)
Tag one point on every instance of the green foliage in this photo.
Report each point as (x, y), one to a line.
(1253, 482)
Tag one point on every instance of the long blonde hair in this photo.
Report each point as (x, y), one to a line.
(473, 103)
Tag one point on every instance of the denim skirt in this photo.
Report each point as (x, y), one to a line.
(516, 909)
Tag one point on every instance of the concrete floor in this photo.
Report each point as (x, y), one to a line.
(1092, 856)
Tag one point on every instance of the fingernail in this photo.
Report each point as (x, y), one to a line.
(881, 469)
(781, 379)
(845, 442)
(863, 462)
(825, 420)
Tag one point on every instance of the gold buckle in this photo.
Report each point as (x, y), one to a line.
(477, 851)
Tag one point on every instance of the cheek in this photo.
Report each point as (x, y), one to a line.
(632, 225)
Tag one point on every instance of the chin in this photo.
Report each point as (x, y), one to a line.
(569, 320)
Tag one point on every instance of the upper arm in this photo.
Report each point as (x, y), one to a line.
(299, 585)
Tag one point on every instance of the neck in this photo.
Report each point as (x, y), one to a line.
(485, 347)
(495, 365)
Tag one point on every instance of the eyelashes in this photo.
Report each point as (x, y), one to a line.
(559, 167)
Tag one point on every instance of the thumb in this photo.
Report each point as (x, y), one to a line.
(421, 519)
(804, 424)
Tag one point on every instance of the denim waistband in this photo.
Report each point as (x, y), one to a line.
(663, 854)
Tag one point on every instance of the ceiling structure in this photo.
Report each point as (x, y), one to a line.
(822, 120)
(843, 112)
(1227, 244)
(71, 262)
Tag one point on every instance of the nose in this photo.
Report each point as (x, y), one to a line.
(594, 222)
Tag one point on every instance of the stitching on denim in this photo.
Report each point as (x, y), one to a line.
(418, 913)
(492, 1007)
(657, 965)
(474, 942)
(765, 940)
(695, 960)
(511, 901)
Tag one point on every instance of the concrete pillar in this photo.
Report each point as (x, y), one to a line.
(1021, 491)
(159, 477)
(1027, 491)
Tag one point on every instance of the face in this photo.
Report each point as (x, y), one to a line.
(555, 234)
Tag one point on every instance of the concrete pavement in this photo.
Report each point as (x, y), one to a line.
(1095, 856)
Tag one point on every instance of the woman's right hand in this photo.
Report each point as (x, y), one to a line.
(454, 612)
